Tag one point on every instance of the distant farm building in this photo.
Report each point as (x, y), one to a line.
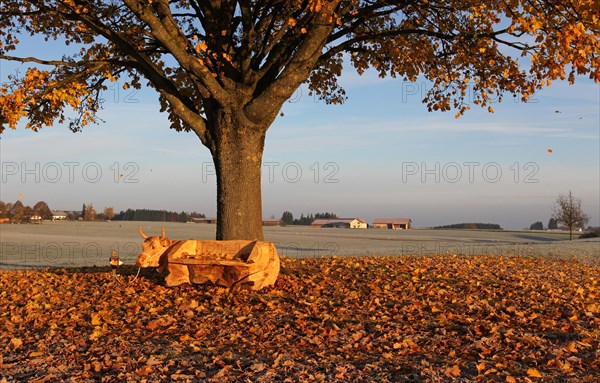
(392, 223)
(205, 220)
(347, 223)
(4, 220)
(58, 215)
(35, 219)
(272, 222)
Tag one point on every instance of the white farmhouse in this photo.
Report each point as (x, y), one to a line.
(351, 223)
(58, 215)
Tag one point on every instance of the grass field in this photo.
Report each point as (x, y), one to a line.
(60, 244)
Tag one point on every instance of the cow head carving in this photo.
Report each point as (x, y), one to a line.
(153, 248)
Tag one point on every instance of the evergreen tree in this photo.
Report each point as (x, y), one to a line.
(287, 218)
(537, 226)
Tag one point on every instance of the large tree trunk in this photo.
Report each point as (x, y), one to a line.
(237, 148)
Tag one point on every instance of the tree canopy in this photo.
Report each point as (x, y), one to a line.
(256, 53)
(223, 69)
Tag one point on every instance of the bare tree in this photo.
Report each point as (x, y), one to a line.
(567, 211)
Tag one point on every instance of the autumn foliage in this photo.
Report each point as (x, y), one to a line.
(257, 53)
(344, 319)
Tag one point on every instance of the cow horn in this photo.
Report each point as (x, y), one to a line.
(162, 234)
(142, 233)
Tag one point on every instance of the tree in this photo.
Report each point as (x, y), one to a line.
(223, 69)
(537, 226)
(41, 208)
(5, 208)
(552, 225)
(89, 212)
(287, 218)
(567, 211)
(325, 215)
(109, 212)
(18, 212)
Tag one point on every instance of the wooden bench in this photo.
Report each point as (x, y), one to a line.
(233, 264)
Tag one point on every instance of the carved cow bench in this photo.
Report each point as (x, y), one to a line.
(235, 264)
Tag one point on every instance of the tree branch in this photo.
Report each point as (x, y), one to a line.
(43, 62)
(178, 46)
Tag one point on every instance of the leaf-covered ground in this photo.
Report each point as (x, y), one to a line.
(346, 319)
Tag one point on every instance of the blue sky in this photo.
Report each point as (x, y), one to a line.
(381, 154)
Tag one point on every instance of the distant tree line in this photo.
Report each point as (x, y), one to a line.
(486, 226)
(17, 212)
(288, 218)
(155, 215)
(552, 225)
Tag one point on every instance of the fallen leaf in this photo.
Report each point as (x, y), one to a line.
(258, 367)
(43, 379)
(153, 325)
(452, 372)
(97, 333)
(144, 371)
(16, 343)
(480, 367)
(96, 319)
(533, 373)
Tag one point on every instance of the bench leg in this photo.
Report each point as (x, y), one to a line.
(178, 274)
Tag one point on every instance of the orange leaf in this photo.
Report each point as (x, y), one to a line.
(153, 325)
(532, 372)
(453, 372)
(201, 46)
(571, 347)
(16, 342)
(480, 367)
(96, 319)
(144, 371)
